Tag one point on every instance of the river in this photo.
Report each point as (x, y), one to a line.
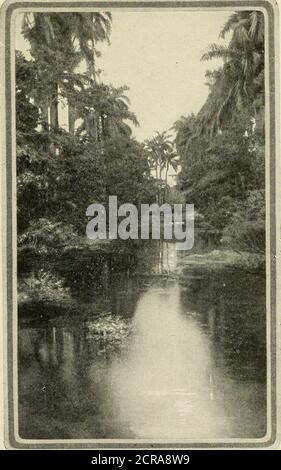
(184, 359)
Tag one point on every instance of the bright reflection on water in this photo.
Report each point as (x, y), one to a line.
(192, 367)
(169, 365)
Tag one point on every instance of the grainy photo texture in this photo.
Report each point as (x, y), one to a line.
(141, 226)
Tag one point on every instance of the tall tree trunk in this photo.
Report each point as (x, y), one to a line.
(91, 72)
(104, 132)
(166, 182)
(44, 113)
(71, 119)
(160, 169)
(94, 120)
(160, 182)
(99, 128)
(92, 127)
(157, 181)
(54, 111)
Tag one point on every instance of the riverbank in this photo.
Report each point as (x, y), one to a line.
(42, 283)
(55, 286)
(217, 260)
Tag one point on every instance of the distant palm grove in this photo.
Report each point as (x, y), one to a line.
(218, 154)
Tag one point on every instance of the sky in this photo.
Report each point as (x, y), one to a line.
(157, 54)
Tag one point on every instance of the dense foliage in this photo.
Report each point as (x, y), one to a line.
(222, 148)
(59, 172)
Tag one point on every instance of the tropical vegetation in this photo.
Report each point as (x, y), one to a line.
(217, 153)
(222, 148)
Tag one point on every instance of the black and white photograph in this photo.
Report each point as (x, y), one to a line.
(141, 233)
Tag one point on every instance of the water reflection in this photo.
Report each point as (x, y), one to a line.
(192, 367)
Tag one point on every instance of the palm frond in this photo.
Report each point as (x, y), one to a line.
(229, 25)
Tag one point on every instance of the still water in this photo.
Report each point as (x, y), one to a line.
(184, 359)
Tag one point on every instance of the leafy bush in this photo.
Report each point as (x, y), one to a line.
(42, 286)
(246, 231)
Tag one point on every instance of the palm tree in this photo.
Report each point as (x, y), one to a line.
(238, 83)
(245, 25)
(113, 111)
(110, 107)
(161, 155)
(51, 46)
(89, 29)
(48, 34)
